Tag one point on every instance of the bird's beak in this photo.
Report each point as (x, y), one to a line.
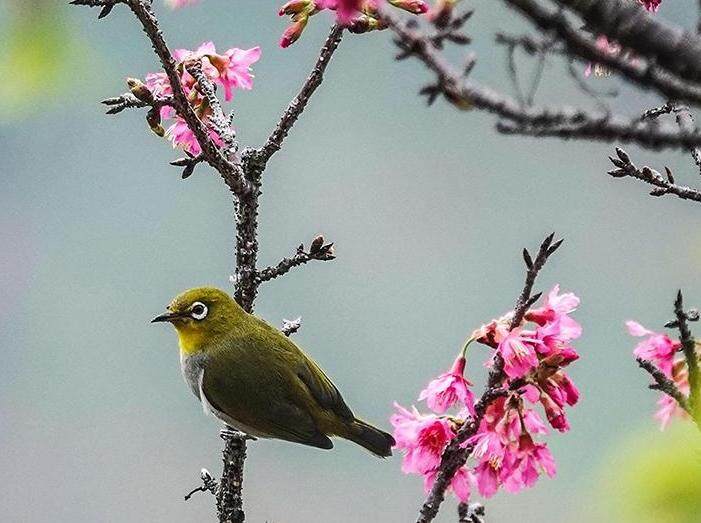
(168, 316)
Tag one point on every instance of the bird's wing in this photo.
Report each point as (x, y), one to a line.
(266, 382)
(289, 356)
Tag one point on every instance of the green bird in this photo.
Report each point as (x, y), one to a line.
(252, 377)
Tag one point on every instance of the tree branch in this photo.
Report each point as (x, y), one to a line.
(673, 48)
(663, 186)
(317, 251)
(563, 122)
(644, 73)
(663, 383)
(298, 104)
(231, 173)
(689, 348)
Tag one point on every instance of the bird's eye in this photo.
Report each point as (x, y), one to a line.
(198, 311)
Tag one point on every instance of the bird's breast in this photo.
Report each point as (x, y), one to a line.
(192, 367)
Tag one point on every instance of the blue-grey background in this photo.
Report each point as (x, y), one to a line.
(429, 209)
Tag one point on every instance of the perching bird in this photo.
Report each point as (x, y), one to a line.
(254, 378)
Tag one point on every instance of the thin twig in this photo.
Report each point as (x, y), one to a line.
(563, 122)
(663, 383)
(663, 185)
(317, 251)
(297, 105)
(689, 349)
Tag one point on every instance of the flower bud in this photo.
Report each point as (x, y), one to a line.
(153, 118)
(364, 24)
(416, 7)
(293, 32)
(294, 7)
(139, 89)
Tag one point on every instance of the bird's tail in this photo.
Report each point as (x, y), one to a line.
(376, 441)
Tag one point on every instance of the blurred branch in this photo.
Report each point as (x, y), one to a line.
(563, 122)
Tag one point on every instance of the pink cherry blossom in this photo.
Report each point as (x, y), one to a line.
(236, 72)
(460, 484)
(667, 407)
(180, 134)
(555, 306)
(486, 475)
(176, 4)
(449, 388)
(519, 353)
(656, 347)
(422, 437)
(529, 459)
(159, 85)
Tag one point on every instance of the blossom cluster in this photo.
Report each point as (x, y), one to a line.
(359, 16)
(505, 450)
(663, 352)
(230, 70)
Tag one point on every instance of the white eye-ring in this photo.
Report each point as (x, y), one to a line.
(198, 311)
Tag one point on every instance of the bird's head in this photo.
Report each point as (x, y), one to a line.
(200, 316)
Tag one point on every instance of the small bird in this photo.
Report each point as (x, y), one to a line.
(252, 377)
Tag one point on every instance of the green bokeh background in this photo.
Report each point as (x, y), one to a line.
(429, 209)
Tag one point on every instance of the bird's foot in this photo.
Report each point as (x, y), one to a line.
(228, 433)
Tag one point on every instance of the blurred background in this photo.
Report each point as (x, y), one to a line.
(429, 209)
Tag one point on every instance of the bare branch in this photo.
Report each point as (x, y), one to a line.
(663, 383)
(663, 185)
(229, 498)
(298, 104)
(317, 251)
(209, 484)
(656, 112)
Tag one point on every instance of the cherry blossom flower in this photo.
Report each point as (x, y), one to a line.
(460, 484)
(180, 134)
(667, 407)
(360, 16)
(422, 437)
(449, 388)
(519, 353)
(658, 348)
(231, 70)
(176, 4)
(503, 452)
